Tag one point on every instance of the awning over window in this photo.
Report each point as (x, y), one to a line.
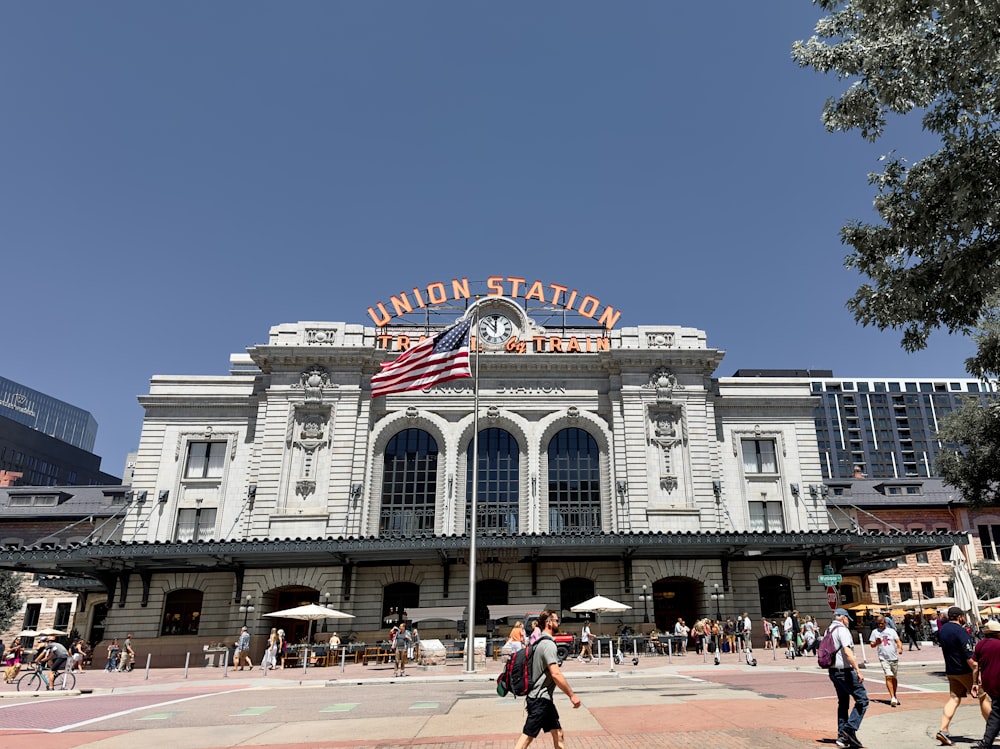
(439, 613)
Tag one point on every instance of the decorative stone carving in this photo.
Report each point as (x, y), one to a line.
(664, 381)
(305, 487)
(321, 336)
(573, 412)
(666, 431)
(660, 339)
(411, 412)
(493, 413)
(312, 381)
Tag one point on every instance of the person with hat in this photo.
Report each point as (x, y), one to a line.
(848, 681)
(957, 647)
(987, 655)
(886, 641)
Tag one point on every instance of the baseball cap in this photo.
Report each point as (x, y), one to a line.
(843, 612)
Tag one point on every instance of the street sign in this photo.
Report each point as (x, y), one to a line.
(829, 580)
(832, 597)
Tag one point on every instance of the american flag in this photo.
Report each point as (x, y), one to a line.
(434, 360)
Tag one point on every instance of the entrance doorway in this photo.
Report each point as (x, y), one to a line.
(673, 598)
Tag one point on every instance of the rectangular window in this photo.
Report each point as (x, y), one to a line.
(905, 591)
(922, 557)
(759, 456)
(205, 460)
(766, 516)
(63, 611)
(945, 553)
(195, 525)
(989, 536)
(883, 593)
(31, 613)
(927, 589)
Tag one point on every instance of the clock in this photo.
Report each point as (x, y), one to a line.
(495, 328)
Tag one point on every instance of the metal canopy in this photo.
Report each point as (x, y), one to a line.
(836, 546)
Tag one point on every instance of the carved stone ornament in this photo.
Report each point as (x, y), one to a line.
(321, 336)
(305, 487)
(312, 381)
(664, 381)
(493, 413)
(660, 339)
(573, 412)
(412, 412)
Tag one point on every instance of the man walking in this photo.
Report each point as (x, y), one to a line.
(401, 643)
(546, 674)
(987, 655)
(886, 641)
(848, 681)
(243, 650)
(127, 655)
(957, 646)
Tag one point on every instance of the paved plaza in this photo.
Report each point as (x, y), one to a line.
(678, 702)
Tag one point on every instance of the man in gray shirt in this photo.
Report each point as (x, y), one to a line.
(545, 671)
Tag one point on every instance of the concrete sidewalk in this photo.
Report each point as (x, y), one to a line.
(681, 702)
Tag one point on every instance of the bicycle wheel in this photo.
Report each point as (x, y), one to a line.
(66, 680)
(30, 682)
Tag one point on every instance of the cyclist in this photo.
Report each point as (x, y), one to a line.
(55, 657)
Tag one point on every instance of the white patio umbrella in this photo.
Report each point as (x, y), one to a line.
(49, 631)
(600, 605)
(27, 633)
(311, 612)
(965, 592)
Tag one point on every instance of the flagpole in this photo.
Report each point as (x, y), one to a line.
(470, 655)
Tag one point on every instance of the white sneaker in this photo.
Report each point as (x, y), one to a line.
(893, 702)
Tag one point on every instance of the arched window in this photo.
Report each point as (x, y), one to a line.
(574, 590)
(574, 482)
(409, 484)
(498, 480)
(775, 595)
(182, 612)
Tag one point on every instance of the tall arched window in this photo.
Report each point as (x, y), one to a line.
(574, 482)
(396, 599)
(182, 612)
(489, 593)
(574, 590)
(409, 484)
(498, 481)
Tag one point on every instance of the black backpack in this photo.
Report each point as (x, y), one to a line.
(516, 677)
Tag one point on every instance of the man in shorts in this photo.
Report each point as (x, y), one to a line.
(541, 708)
(957, 646)
(886, 641)
(55, 657)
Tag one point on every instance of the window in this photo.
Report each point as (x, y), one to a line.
(922, 557)
(574, 481)
(905, 591)
(945, 553)
(409, 484)
(927, 589)
(489, 593)
(759, 456)
(195, 524)
(883, 593)
(63, 611)
(205, 460)
(766, 516)
(989, 536)
(497, 499)
(31, 613)
(182, 612)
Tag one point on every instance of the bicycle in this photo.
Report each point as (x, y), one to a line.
(37, 681)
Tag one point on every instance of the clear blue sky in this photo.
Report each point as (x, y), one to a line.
(177, 177)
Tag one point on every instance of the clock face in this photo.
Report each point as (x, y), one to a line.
(495, 328)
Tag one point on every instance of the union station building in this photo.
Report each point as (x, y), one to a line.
(611, 460)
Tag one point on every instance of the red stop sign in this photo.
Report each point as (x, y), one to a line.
(832, 598)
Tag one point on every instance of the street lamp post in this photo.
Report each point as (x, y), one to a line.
(717, 597)
(326, 604)
(246, 608)
(645, 605)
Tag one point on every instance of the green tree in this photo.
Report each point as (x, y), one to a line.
(10, 598)
(934, 260)
(986, 580)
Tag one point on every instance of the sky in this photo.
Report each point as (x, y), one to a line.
(178, 177)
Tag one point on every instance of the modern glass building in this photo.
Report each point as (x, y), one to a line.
(48, 415)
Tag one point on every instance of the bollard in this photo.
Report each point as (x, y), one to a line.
(670, 650)
(864, 655)
(149, 658)
(187, 662)
(343, 659)
(225, 664)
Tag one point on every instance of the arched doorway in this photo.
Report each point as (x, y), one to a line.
(296, 630)
(673, 598)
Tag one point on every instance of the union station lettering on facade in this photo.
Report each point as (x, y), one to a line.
(629, 463)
